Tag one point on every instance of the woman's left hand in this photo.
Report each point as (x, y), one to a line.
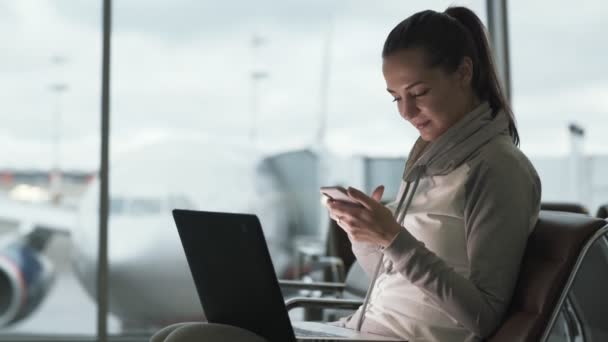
(370, 222)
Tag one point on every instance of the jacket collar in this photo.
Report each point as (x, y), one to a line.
(452, 148)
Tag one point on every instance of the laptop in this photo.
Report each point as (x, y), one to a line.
(236, 282)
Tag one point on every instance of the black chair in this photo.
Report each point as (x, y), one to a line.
(602, 211)
(561, 286)
(564, 206)
(338, 245)
(558, 250)
(348, 295)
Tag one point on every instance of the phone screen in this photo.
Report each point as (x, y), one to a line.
(337, 193)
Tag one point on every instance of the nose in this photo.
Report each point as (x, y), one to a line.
(408, 108)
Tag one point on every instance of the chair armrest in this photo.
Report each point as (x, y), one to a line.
(324, 303)
(318, 286)
(335, 264)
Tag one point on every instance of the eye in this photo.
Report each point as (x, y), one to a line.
(396, 99)
(421, 93)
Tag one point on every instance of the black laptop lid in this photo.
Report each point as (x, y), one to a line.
(233, 272)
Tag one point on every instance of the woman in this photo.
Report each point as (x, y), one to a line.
(444, 258)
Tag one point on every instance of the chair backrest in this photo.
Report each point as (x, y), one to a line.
(602, 211)
(586, 312)
(552, 251)
(564, 206)
(339, 245)
(356, 283)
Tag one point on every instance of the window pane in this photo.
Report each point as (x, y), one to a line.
(219, 104)
(560, 78)
(50, 67)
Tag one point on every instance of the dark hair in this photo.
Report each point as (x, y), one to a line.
(446, 38)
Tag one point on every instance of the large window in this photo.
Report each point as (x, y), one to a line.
(237, 107)
(243, 107)
(559, 79)
(50, 67)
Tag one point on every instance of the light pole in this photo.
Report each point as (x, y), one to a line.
(257, 75)
(57, 88)
(324, 87)
(577, 165)
(321, 142)
(55, 176)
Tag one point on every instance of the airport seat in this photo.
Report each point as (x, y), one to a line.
(338, 245)
(352, 290)
(556, 249)
(354, 287)
(602, 211)
(562, 279)
(586, 304)
(564, 206)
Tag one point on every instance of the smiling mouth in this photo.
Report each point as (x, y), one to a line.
(422, 124)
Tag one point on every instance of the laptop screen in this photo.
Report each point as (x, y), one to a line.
(233, 272)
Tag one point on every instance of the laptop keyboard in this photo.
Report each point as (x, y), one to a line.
(313, 333)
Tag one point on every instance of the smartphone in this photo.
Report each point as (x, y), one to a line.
(337, 193)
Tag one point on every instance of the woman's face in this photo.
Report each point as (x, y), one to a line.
(429, 98)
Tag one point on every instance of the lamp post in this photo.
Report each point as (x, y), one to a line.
(55, 175)
(57, 88)
(578, 165)
(257, 75)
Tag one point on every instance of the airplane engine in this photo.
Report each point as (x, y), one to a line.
(25, 278)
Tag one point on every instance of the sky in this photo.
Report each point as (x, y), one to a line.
(184, 67)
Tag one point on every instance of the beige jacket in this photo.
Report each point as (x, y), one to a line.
(450, 273)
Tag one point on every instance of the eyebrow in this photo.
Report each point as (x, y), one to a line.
(406, 88)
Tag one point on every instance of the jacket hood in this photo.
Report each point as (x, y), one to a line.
(453, 147)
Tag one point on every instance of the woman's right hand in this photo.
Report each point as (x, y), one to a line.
(376, 195)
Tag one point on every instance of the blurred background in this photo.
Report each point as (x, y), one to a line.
(236, 106)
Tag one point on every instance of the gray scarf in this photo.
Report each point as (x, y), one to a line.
(441, 157)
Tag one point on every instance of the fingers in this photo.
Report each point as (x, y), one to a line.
(341, 209)
(377, 194)
(324, 200)
(333, 217)
(359, 221)
(352, 219)
(355, 233)
(362, 198)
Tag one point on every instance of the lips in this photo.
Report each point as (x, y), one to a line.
(421, 125)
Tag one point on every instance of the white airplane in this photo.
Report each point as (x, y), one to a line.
(149, 281)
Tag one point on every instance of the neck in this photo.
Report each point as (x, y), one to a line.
(472, 103)
(468, 106)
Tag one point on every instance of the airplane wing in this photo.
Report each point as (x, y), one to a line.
(26, 217)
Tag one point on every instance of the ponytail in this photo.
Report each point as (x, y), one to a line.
(447, 38)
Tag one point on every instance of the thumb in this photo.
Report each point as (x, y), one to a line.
(377, 194)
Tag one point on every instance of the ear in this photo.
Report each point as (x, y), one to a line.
(465, 71)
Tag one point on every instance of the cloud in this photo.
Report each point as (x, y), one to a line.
(183, 20)
(561, 48)
(186, 64)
